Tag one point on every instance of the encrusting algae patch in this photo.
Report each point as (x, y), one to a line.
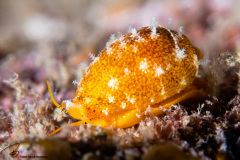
(137, 74)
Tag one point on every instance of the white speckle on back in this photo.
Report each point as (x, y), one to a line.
(183, 82)
(159, 71)
(95, 60)
(153, 27)
(87, 99)
(109, 51)
(91, 56)
(120, 37)
(106, 112)
(132, 100)
(87, 72)
(195, 60)
(140, 39)
(174, 38)
(168, 66)
(135, 49)
(163, 91)
(179, 90)
(126, 71)
(133, 31)
(122, 45)
(113, 83)
(180, 30)
(152, 100)
(111, 99)
(180, 54)
(123, 105)
(112, 39)
(80, 89)
(143, 65)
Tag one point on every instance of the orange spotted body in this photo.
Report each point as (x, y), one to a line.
(135, 72)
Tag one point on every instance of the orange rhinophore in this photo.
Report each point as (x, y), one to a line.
(136, 75)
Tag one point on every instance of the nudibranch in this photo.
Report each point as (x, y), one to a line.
(137, 75)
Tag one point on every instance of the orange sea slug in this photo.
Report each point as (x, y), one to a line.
(138, 74)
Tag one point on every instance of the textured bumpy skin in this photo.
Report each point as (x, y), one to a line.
(139, 69)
